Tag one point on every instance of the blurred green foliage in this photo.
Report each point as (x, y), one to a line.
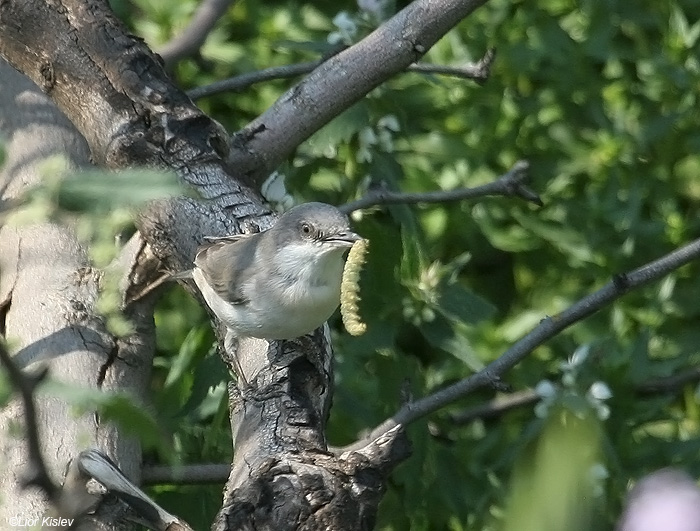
(601, 98)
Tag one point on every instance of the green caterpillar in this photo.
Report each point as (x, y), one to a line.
(350, 288)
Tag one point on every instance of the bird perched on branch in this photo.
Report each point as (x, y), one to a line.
(281, 283)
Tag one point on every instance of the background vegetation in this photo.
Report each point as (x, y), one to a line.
(601, 98)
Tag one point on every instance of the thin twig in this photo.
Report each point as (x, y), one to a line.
(496, 407)
(218, 472)
(668, 384)
(185, 474)
(189, 41)
(25, 384)
(243, 81)
(547, 329)
(511, 184)
(478, 72)
(150, 288)
(527, 397)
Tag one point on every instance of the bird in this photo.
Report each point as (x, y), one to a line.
(281, 283)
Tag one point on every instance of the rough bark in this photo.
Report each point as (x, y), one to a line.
(47, 300)
(114, 90)
(341, 81)
(283, 476)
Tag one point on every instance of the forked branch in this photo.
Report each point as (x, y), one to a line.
(510, 184)
(479, 72)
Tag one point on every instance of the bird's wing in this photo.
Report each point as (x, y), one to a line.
(226, 265)
(230, 238)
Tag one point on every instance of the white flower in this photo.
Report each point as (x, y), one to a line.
(347, 29)
(579, 356)
(386, 140)
(374, 7)
(598, 474)
(275, 192)
(389, 121)
(367, 137)
(334, 37)
(344, 22)
(596, 395)
(545, 389)
(603, 411)
(542, 410)
(600, 391)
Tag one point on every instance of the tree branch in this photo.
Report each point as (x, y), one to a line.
(527, 397)
(478, 71)
(510, 184)
(547, 329)
(669, 384)
(186, 474)
(193, 36)
(115, 91)
(49, 292)
(269, 139)
(496, 407)
(243, 81)
(493, 409)
(37, 474)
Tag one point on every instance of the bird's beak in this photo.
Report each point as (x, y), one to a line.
(343, 239)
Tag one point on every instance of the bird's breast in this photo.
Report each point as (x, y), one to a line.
(292, 298)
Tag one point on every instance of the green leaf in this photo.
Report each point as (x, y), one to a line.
(341, 129)
(552, 487)
(442, 334)
(6, 388)
(208, 374)
(461, 305)
(187, 355)
(124, 409)
(98, 191)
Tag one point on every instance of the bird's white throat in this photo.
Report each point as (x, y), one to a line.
(311, 277)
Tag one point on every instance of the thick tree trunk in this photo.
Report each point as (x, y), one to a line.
(116, 93)
(283, 476)
(48, 293)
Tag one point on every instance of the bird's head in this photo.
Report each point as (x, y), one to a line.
(316, 228)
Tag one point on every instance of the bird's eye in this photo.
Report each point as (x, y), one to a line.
(306, 229)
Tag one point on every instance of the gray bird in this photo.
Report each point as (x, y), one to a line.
(281, 283)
